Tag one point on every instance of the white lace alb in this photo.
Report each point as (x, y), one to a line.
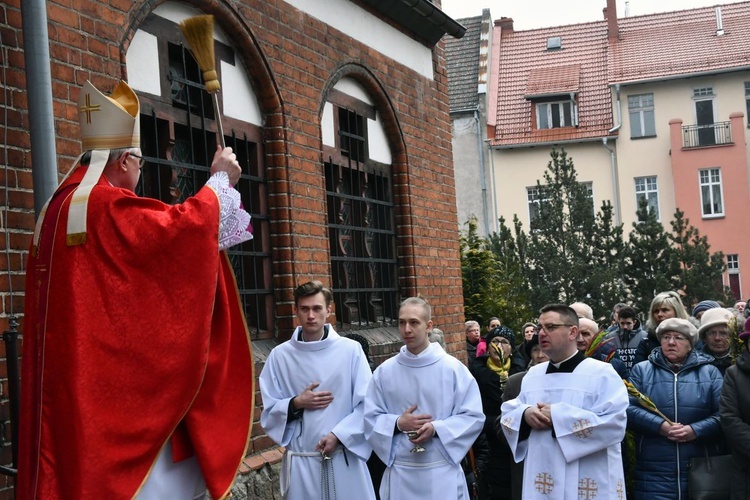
(234, 222)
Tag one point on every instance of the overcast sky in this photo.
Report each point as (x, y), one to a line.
(530, 14)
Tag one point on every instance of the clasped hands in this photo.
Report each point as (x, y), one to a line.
(539, 417)
(419, 423)
(677, 432)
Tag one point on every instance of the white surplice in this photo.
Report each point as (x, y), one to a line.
(340, 365)
(442, 387)
(582, 460)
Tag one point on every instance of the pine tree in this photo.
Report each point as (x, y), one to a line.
(563, 235)
(605, 286)
(508, 247)
(700, 270)
(651, 265)
(493, 280)
(481, 274)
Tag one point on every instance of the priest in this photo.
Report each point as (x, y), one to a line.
(423, 412)
(569, 418)
(134, 338)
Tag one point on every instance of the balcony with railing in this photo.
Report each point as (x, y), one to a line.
(714, 134)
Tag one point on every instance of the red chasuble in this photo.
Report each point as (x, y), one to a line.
(131, 338)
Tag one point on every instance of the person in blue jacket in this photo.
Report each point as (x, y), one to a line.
(686, 388)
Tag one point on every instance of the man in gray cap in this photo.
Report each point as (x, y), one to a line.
(703, 306)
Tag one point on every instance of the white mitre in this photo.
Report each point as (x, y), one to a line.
(107, 122)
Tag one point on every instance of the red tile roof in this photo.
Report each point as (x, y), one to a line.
(554, 80)
(679, 43)
(526, 67)
(650, 47)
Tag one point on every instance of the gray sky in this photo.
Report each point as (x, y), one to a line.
(530, 14)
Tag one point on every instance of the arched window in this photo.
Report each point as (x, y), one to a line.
(361, 218)
(178, 139)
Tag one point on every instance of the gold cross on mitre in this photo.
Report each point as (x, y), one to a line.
(88, 108)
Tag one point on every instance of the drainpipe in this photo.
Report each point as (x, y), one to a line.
(481, 168)
(613, 160)
(39, 90)
(493, 189)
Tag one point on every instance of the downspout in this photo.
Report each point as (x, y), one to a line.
(613, 160)
(481, 168)
(492, 179)
(39, 90)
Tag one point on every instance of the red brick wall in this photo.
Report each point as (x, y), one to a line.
(293, 61)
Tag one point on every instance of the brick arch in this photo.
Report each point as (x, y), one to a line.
(231, 19)
(233, 24)
(399, 163)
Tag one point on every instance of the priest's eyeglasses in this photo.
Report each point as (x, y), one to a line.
(549, 327)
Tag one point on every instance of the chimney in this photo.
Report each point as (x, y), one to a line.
(719, 22)
(610, 14)
(505, 24)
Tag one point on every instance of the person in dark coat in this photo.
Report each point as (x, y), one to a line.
(686, 388)
(491, 374)
(375, 466)
(594, 344)
(735, 417)
(626, 338)
(520, 360)
(512, 390)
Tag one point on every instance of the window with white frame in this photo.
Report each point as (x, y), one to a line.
(535, 196)
(555, 114)
(641, 111)
(733, 263)
(646, 188)
(733, 273)
(747, 102)
(590, 193)
(712, 203)
(703, 92)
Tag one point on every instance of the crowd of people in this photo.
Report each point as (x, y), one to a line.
(542, 414)
(694, 367)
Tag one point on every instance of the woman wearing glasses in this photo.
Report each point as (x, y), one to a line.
(686, 388)
(664, 306)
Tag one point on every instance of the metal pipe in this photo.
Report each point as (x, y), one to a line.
(39, 91)
(615, 182)
(480, 150)
(493, 188)
(613, 159)
(14, 390)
